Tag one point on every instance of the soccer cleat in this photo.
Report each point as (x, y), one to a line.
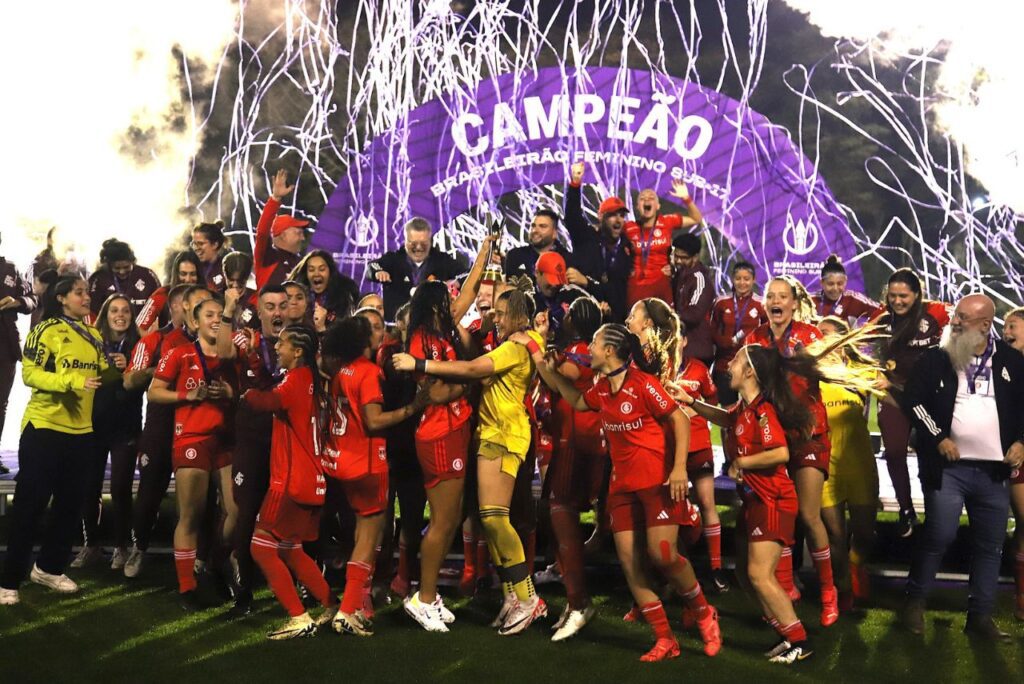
(798, 651)
(327, 615)
(829, 607)
(507, 606)
(549, 575)
(189, 601)
(781, 647)
(573, 623)
(8, 597)
(133, 566)
(663, 650)
(344, 623)
(119, 558)
(634, 615)
(242, 607)
(710, 632)
(87, 556)
(296, 627)
(720, 580)
(447, 616)
(59, 583)
(424, 613)
(523, 615)
(908, 521)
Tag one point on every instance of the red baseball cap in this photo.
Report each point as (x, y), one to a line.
(611, 205)
(284, 222)
(552, 265)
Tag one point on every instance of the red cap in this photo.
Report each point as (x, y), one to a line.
(611, 205)
(552, 265)
(284, 222)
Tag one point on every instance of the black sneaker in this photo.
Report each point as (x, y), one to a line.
(242, 607)
(189, 602)
(720, 580)
(801, 650)
(905, 527)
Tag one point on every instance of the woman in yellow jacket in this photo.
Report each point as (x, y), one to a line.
(63, 364)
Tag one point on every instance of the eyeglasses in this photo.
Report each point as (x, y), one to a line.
(198, 244)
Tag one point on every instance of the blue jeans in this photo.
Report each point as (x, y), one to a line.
(981, 488)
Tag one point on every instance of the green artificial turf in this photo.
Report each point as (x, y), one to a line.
(115, 631)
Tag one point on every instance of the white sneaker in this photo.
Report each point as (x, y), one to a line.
(133, 565)
(447, 616)
(119, 558)
(424, 613)
(548, 575)
(59, 583)
(87, 556)
(574, 622)
(506, 607)
(296, 627)
(8, 597)
(523, 615)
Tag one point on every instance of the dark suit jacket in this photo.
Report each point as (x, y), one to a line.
(438, 265)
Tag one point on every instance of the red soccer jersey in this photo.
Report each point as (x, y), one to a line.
(149, 350)
(351, 450)
(259, 363)
(731, 315)
(696, 380)
(295, 432)
(635, 437)
(797, 336)
(851, 305)
(652, 247)
(438, 420)
(153, 308)
(757, 429)
(186, 368)
(583, 422)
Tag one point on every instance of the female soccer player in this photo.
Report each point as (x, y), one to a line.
(184, 271)
(647, 496)
(808, 465)
(208, 244)
(298, 303)
(201, 385)
(63, 364)
(117, 422)
(733, 317)
(1013, 334)
(356, 454)
(119, 274)
(504, 434)
(332, 296)
(290, 513)
(767, 417)
(372, 301)
(835, 300)
(852, 483)
(914, 325)
(576, 474)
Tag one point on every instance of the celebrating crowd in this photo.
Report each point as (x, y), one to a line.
(293, 411)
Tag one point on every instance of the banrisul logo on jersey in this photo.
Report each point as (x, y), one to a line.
(459, 154)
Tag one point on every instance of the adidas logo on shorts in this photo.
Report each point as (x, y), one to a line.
(663, 515)
(757, 532)
(810, 457)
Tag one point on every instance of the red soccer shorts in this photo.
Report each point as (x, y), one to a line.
(816, 454)
(544, 449)
(210, 455)
(286, 520)
(444, 458)
(698, 462)
(367, 495)
(651, 507)
(768, 521)
(576, 474)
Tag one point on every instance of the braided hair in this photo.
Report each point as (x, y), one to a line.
(431, 314)
(305, 338)
(663, 340)
(583, 318)
(628, 347)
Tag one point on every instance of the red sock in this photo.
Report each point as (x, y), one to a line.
(784, 570)
(266, 554)
(654, 613)
(356, 575)
(307, 572)
(1018, 568)
(483, 558)
(775, 625)
(185, 566)
(795, 632)
(565, 522)
(823, 564)
(696, 601)
(468, 555)
(713, 537)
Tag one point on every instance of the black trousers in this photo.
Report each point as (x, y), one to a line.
(123, 451)
(8, 369)
(50, 464)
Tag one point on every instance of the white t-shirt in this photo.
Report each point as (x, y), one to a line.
(975, 429)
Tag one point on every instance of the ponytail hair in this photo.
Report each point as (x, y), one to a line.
(772, 371)
(58, 287)
(628, 348)
(663, 339)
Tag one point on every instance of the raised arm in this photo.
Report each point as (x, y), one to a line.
(469, 291)
(225, 333)
(682, 193)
